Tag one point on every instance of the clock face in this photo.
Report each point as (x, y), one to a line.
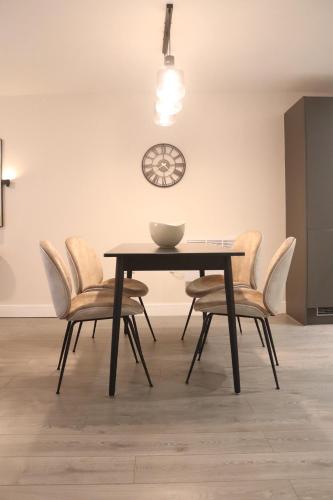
(163, 165)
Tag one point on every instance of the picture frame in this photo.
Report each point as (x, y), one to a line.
(1, 189)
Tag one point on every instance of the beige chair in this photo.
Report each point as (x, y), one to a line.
(243, 270)
(88, 306)
(88, 275)
(251, 303)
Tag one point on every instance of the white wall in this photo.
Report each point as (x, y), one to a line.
(78, 164)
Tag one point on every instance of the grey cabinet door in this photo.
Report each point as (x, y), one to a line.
(320, 268)
(319, 160)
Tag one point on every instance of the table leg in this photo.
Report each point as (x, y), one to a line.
(118, 293)
(229, 291)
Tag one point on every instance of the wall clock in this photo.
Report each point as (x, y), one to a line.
(163, 165)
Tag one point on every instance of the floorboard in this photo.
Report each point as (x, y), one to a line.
(174, 441)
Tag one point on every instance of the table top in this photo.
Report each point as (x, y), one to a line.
(150, 249)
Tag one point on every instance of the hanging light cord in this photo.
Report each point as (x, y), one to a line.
(167, 28)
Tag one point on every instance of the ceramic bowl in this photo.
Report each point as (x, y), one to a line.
(166, 235)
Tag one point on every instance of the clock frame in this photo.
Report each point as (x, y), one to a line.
(163, 165)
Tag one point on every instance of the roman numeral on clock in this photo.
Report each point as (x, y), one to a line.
(178, 171)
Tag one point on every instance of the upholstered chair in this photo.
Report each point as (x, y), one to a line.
(88, 306)
(244, 271)
(250, 303)
(87, 273)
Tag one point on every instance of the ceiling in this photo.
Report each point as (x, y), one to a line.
(79, 46)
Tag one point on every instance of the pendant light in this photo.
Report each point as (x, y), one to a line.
(170, 81)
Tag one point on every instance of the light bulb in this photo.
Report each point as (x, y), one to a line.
(170, 84)
(9, 173)
(170, 92)
(164, 120)
(166, 107)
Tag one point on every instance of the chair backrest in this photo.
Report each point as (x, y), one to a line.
(277, 275)
(58, 278)
(244, 268)
(86, 267)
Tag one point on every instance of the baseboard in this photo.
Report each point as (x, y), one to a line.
(26, 311)
(47, 310)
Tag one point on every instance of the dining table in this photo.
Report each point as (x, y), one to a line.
(132, 257)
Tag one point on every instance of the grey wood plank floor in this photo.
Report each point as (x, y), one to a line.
(174, 441)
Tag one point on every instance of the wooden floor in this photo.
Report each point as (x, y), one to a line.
(175, 441)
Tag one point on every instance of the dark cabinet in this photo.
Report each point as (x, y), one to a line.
(309, 208)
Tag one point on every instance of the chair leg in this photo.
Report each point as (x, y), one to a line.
(94, 330)
(126, 329)
(271, 341)
(136, 329)
(200, 339)
(188, 318)
(131, 340)
(258, 328)
(239, 325)
(77, 336)
(68, 342)
(147, 319)
(136, 338)
(268, 344)
(63, 345)
(209, 320)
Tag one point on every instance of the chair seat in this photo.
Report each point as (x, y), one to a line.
(94, 305)
(131, 287)
(208, 284)
(248, 302)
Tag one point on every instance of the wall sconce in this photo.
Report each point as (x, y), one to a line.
(4, 182)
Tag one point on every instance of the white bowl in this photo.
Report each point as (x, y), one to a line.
(166, 235)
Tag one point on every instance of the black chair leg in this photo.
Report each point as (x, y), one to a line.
(126, 328)
(63, 345)
(94, 330)
(200, 339)
(147, 319)
(271, 341)
(136, 338)
(188, 318)
(208, 322)
(77, 336)
(258, 328)
(131, 340)
(68, 342)
(136, 329)
(204, 316)
(239, 325)
(268, 344)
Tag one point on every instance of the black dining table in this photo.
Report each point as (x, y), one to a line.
(186, 257)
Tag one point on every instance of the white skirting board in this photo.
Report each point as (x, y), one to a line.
(47, 311)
